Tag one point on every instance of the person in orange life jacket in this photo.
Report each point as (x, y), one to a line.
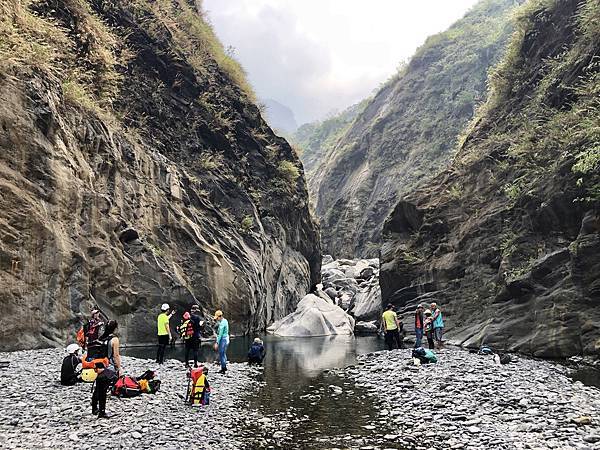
(418, 326)
(107, 375)
(69, 375)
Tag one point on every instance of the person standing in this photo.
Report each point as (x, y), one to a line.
(164, 332)
(107, 375)
(428, 328)
(391, 327)
(222, 339)
(94, 328)
(438, 324)
(193, 343)
(418, 326)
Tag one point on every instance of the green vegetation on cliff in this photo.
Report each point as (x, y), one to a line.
(407, 131)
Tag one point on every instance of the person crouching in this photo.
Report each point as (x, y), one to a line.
(69, 374)
(257, 352)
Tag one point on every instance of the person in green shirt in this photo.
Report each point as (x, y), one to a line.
(391, 327)
(222, 339)
(164, 331)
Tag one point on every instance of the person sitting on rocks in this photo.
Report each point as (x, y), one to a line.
(438, 324)
(69, 375)
(107, 375)
(418, 326)
(392, 328)
(428, 327)
(257, 352)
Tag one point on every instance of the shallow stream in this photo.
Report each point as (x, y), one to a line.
(298, 385)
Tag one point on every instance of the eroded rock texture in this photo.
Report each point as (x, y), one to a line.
(507, 239)
(175, 192)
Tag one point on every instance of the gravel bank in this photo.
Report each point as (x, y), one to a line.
(466, 401)
(37, 412)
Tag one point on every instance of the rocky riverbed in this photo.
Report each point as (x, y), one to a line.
(37, 412)
(467, 401)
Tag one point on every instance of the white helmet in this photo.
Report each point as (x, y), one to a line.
(165, 307)
(73, 348)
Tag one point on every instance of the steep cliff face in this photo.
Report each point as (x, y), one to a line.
(508, 237)
(407, 131)
(135, 170)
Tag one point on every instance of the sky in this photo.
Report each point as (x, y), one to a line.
(321, 56)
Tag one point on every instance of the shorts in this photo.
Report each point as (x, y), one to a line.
(438, 333)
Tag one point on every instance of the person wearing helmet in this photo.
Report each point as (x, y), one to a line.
(164, 331)
(69, 374)
(222, 340)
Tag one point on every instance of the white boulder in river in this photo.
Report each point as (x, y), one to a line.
(314, 316)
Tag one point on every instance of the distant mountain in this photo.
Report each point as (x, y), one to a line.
(279, 116)
(407, 131)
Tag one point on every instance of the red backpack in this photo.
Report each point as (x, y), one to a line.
(126, 386)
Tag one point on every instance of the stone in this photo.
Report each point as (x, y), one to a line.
(314, 317)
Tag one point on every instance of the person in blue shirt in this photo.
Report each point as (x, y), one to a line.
(257, 352)
(438, 324)
(222, 340)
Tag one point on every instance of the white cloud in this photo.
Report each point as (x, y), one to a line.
(319, 55)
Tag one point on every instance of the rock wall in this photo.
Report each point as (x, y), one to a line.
(170, 189)
(507, 239)
(405, 133)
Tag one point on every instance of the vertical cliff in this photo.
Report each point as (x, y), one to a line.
(135, 169)
(407, 131)
(508, 237)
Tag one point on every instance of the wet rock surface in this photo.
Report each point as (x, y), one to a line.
(37, 412)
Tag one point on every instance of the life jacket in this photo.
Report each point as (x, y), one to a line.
(92, 330)
(199, 389)
(97, 353)
(126, 386)
(186, 330)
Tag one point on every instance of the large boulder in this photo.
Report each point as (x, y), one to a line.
(367, 303)
(314, 317)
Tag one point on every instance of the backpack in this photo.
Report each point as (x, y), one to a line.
(92, 330)
(186, 330)
(198, 388)
(126, 387)
(97, 353)
(81, 337)
(485, 350)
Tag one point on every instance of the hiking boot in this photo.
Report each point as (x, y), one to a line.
(94, 411)
(223, 371)
(104, 415)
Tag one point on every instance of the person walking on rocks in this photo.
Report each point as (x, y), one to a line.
(438, 324)
(107, 375)
(418, 326)
(164, 332)
(391, 327)
(222, 339)
(428, 328)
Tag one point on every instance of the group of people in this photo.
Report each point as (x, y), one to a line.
(428, 323)
(103, 336)
(190, 331)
